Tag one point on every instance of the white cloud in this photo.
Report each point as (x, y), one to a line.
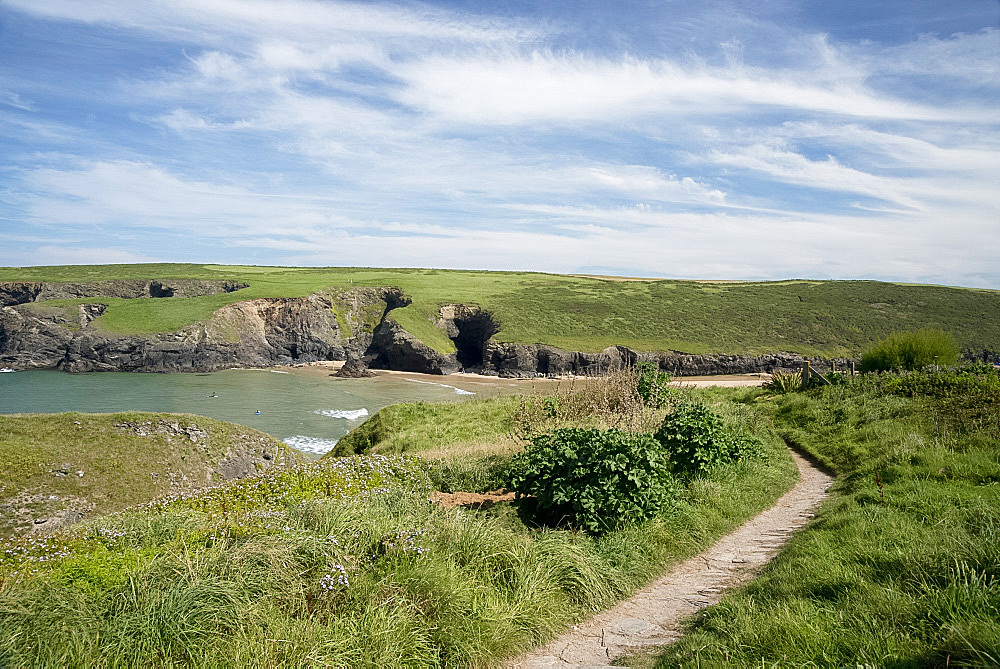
(74, 255)
(347, 133)
(12, 99)
(564, 88)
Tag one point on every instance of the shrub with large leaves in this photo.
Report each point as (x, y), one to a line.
(595, 479)
(695, 438)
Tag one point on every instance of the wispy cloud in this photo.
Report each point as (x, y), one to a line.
(704, 141)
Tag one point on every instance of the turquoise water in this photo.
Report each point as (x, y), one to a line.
(307, 411)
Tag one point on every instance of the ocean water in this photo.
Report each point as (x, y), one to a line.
(309, 412)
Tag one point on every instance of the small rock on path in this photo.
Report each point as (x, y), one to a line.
(652, 617)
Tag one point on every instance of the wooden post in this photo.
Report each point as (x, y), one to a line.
(834, 363)
(852, 369)
(806, 373)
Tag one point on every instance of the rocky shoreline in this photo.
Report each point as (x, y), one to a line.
(353, 325)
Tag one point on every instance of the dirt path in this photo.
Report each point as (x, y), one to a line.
(652, 617)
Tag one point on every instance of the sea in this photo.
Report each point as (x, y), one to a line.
(309, 412)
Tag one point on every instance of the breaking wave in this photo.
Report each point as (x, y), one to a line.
(458, 391)
(349, 414)
(310, 444)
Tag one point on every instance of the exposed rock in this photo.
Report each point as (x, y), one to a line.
(18, 292)
(12, 293)
(269, 331)
(393, 347)
(354, 368)
(252, 333)
(528, 360)
(471, 328)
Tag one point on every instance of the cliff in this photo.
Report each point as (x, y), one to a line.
(36, 332)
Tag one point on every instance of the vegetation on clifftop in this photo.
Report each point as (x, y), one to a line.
(57, 467)
(827, 318)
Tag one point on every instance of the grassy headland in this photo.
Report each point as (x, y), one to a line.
(827, 318)
(59, 466)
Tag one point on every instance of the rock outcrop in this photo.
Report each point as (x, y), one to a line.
(19, 292)
(354, 325)
(392, 347)
(251, 333)
(529, 360)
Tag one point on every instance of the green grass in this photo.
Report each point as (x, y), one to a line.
(120, 468)
(902, 567)
(236, 575)
(424, 426)
(828, 318)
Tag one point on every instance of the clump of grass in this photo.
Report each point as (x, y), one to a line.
(631, 399)
(784, 382)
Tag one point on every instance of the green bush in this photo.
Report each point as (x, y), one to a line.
(652, 385)
(695, 438)
(595, 479)
(910, 351)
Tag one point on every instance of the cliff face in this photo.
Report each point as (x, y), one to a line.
(252, 333)
(270, 331)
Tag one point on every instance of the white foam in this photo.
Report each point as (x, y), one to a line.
(310, 444)
(458, 391)
(5, 370)
(278, 371)
(349, 414)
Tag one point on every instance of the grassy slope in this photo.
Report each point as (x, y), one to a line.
(423, 426)
(578, 313)
(235, 577)
(117, 464)
(901, 568)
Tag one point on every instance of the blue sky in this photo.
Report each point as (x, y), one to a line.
(676, 139)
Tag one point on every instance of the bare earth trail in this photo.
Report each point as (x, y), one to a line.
(652, 616)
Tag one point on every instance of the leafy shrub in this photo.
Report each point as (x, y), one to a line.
(652, 385)
(942, 384)
(836, 378)
(595, 479)
(696, 439)
(910, 351)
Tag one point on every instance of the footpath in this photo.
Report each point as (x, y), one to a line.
(652, 617)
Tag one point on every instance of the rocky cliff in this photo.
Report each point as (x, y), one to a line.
(251, 333)
(331, 325)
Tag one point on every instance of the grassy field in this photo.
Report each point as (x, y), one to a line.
(902, 567)
(85, 462)
(344, 562)
(828, 318)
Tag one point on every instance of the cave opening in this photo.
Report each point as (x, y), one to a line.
(157, 289)
(474, 329)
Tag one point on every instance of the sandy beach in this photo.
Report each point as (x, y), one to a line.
(485, 385)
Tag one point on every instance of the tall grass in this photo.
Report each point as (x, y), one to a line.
(345, 563)
(901, 568)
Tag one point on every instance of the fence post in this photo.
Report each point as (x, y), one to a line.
(806, 374)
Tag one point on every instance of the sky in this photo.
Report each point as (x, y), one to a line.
(708, 140)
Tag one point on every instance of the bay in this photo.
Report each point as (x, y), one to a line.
(307, 411)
